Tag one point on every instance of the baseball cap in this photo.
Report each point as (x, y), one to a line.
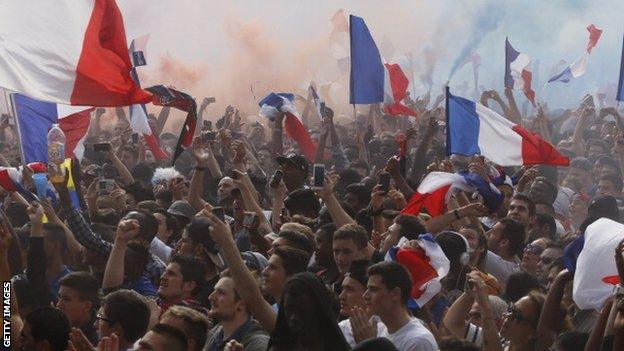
(296, 160)
(255, 260)
(181, 208)
(198, 230)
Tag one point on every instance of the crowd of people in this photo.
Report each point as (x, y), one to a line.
(239, 246)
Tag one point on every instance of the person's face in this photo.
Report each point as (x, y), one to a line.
(223, 301)
(519, 323)
(552, 274)
(75, 309)
(103, 324)
(279, 241)
(323, 253)
(302, 315)
(185, 246)
(172, 286)
(495, 237)
(539, 191)
(531, 256)
(6, 152)
(264, 157)
(152, 342)
(519, 210)
(274, 276)
(239, 210)
(546, 259)
(581, 174)
(352, 295)
(606, 187)
(472, 237)
(292, 175)
(345, 252)
(379, 300)
(353, 202)
(225, 188)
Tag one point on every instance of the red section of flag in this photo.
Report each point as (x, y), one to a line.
(417, 263)
(103, 70)
(537, 151)
(594, 35)
(339, 22)
(300, 134)
(398, 83)
(152, 144)
(6, 182)
(612, 279)
(75, 127)
(434, 203)
(526, 88)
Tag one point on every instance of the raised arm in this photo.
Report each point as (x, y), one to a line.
(439, 223)
(246, 285)
(338, 214)
(114, 273)
(36, 268)
(512, 112)
(581, 126)
(73, 245)
(277, 142)
(455, 318)
(550, 321)
(121, 168)
(205, 160)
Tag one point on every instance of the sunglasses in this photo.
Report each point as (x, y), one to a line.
(533, 249)
(102, 318)
(514, 313)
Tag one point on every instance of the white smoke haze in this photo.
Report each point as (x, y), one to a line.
(240, 50)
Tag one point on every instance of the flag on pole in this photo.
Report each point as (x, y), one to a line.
(138, 112)
(274, 102)
(473, 129)
(34, 120)
(372, 81)
(518, 72)
(77, 57)
(11, 181)
(578, 67)
(318, 103)
(620, 89)
(165, 96)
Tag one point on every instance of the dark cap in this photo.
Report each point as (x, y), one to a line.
(296, 160)
(181, 208)
(582, 163)
(254, 260)
(198, 230)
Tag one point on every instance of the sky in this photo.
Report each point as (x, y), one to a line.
(238, 51)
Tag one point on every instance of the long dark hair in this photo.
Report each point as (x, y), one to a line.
(283, 338)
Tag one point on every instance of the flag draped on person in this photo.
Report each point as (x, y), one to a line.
(284, 102)
(35, 118)
(473, 129)
(578, 67)
(78, 57)
(138, 112)
(371, 80)
(165, 96)
(518, 72)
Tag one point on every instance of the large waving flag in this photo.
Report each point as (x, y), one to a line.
(427, 265)
(518, 72)
(66, 51)
(138, 112)
(35, 118)
(371, 81)
(578, 67)
(283, 102)
(437, 187)
(473, 129)
(596, 272)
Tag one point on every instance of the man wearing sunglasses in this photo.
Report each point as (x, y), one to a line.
(547, 257)
(531, 255)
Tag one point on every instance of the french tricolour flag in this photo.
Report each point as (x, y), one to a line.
(372, 81)
(473, 129)
(274, 102)
(68, 52)
(518, 71)
(35, 118)
(437, 187)
(578, 67)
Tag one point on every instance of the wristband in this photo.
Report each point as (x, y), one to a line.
(198, 168)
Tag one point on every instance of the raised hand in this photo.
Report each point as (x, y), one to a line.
(200, 151)
(127, 230)
(219, 230)
(35, 214)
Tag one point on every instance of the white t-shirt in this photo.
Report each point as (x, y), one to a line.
(500, 268)
(413, 336)
(160, 249)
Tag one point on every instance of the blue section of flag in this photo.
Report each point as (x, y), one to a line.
(572, 252)
(491, 198)
(462, 129)
(565, 76)
(510, 56)
(366, 84)
(35, 118)
(275, 99)
(620, 91)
